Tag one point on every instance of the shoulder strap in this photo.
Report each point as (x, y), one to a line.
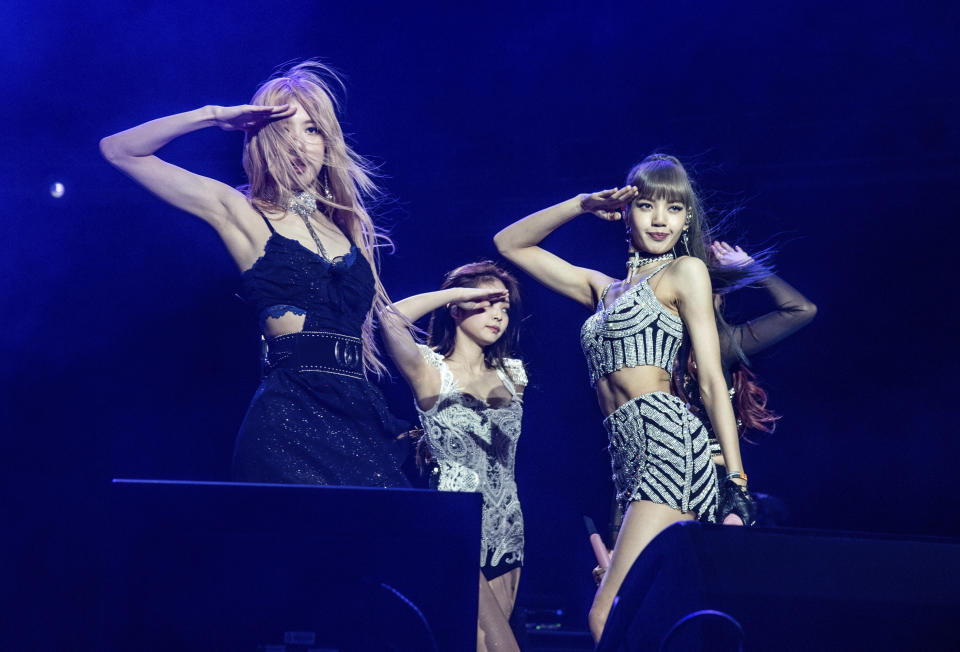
(603, 295)
(512, 374)
(656, 271)
(265, 220)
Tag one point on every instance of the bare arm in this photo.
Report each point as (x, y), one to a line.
(695, 304)
(133, 152)
(423, 378)
(519, 242)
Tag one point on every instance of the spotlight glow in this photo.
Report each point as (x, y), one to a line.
(57, 190)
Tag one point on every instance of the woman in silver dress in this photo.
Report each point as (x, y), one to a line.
(469, 395)
(659, 450)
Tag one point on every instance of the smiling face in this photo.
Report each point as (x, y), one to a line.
(484, 325)
(664, 205)
(655, 224)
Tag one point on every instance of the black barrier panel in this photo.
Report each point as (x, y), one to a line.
(234, 567)
(714, 588)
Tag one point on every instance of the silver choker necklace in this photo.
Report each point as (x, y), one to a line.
(635, 262)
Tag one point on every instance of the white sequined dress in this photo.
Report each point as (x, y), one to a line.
(474, 445)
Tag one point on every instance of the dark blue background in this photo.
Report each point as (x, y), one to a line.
(833, 126)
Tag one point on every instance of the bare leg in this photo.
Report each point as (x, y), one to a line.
(643, 521)
(493, 622)
(505, 590)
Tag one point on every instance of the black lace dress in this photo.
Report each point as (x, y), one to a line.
(315, 428)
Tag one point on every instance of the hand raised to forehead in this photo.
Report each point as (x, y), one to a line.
(250, 117)
(477, 298)
(608, 204)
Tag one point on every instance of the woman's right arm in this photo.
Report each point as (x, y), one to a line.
(133, 152)
(395, 320)
(519, 243)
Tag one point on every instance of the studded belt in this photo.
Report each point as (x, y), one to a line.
(319, 351)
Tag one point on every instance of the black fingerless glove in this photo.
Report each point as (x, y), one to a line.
(735, 499)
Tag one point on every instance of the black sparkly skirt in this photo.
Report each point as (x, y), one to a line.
(319, 428)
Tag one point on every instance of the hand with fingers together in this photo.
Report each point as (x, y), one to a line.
(470, 299)
(250, 117)
(608, 204)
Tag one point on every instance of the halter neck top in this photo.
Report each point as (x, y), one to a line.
(635, 331)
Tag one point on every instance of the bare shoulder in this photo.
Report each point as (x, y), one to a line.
(688, 267)
(689, 281)
(688, 272)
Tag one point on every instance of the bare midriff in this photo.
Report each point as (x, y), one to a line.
(283, 325)
(619, 387)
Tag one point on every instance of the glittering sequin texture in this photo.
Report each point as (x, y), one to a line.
(474, 445)
(311, 427)
(659, 451)
(636, 330)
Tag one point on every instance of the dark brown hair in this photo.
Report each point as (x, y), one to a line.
(442, 332)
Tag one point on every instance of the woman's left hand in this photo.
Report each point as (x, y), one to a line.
(735, 500)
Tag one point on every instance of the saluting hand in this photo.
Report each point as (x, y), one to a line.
(476, 298)
(608, 204)
(250, 117)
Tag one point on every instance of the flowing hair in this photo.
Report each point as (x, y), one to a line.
(751, 404)
(660, 176)
(749, 398)
(273, 179)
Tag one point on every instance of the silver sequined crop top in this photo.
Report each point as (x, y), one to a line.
(636, 330)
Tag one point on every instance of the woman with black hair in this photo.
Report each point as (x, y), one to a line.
(469, 395)
(660, 455)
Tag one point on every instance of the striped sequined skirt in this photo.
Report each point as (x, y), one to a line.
(659, 451)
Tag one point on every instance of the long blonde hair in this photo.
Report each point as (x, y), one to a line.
(273, 179)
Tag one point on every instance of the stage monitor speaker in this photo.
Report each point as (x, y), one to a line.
(240, 567)
(701, 587)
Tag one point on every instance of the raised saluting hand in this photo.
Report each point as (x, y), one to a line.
(608, 204)
(250, 117)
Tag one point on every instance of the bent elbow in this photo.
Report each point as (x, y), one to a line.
(808, 310)
(499, 242)
(109, 149)
(502, 243)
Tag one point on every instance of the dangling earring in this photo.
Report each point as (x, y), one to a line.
(326, 186)
(686, 241)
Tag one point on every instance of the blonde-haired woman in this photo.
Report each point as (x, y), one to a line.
(306, 246)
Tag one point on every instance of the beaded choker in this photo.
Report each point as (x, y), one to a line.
(635, 262)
